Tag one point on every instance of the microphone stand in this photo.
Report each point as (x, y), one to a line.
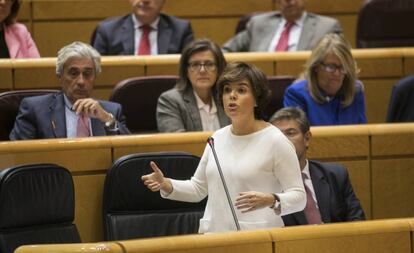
(210, 141)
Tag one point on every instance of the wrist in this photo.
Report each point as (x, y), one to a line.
(110, 121)
(275, 200)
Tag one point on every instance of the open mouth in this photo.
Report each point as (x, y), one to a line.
(232, 106)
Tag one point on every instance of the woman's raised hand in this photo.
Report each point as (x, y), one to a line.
(156, 180)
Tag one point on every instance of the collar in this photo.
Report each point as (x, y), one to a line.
(306, 170)
(298, 22)
(68, 104)
(138, 24)
(200, 104)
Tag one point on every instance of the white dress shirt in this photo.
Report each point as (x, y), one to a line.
(152, 36)
(208, 114)
(294, 34)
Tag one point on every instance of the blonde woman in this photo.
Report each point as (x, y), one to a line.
(330, 93)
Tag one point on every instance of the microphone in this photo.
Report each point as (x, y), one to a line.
(210, 142)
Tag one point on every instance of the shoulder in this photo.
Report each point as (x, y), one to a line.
(17, 28)
(172, 94)
(39, 100)
(109, 104)
(406, 83)
(266, 16)
(329, 169)
(322, 19)
(299, 86)
(114, 22)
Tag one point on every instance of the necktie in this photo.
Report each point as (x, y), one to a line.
(282, 44)
(311, 211)
(82, 128)
(144, 43)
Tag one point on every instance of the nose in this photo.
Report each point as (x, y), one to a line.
(80, 80)
(203, 68)
(233, 95)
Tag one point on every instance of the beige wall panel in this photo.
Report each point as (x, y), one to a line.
(51, 36)
(409, 66)
(77, 10)
(192, 8)
(359, 174)
(6, 75)
(379, 243)
(74, 160)
(217, 29)
(111, 75)
(333, 7)
(88, 207)
(337, 147)
(392, 187)
(348, 24)
(162, 69)
(392, 144)
(24, 11)
(377, 96)
(377, 67)
(36, 77)
(290, 67)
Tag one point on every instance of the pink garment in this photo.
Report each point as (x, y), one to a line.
(20, 42)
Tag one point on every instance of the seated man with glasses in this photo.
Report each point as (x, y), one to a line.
(192, 105)
(71, 112)
(330, 93)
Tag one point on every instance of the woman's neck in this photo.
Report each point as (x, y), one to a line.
(205, 96)
(243, 127)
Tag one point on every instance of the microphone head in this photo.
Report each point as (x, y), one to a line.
(210, 141)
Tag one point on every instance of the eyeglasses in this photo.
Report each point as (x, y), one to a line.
(196, 66)
(332, 68)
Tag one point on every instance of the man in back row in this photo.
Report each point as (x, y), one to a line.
(71, 112)
(330, 196)
(144, 32)
(291, 29)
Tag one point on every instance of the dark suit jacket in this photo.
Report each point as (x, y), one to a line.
(116, 36)
(401, 107)
(336, 198)
(36, 114)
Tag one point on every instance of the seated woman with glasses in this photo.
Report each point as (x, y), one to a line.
(330, 93)
(15, 40)
(192, 105)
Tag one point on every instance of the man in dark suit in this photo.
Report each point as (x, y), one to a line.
(264, 31)
(71, 112)
(126, 35)
(327, 185)
(401, 106)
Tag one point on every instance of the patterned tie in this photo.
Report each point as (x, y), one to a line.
(82, 128)
(311, 211)
(282, 44)
(144, 44)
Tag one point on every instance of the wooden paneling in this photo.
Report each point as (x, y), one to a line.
(377, 97)
(348, 24)
(375, 67)
(392, 139)
(24, 11)
(392, 187)
(107, 247)
(6, 77)
(40, 75)
(88, 208)
(258, 241)
(51, 36)
(332, 7)
(215, 8)
(78, 9)
(409, 62)
(207, 28)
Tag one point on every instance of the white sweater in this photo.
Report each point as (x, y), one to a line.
(263, 161)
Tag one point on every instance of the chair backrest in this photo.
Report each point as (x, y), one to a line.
(138, 97)
(36, 206)
(9, 107)
(241, 25)
(277, 85)
(385, 23)
(401, 105)
(130, 210)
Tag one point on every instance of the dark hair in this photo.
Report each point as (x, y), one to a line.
(237, 71)
(193, 48)
(292, 113)
(13, 13)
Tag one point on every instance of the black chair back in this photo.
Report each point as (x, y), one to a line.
(384, 23)
(37, 206)
(277, 85)
(138, 97)
(130, 210)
